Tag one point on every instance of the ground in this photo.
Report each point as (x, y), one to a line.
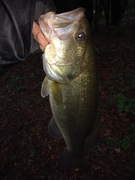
(26, 149)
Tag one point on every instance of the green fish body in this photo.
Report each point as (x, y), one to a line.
(72, 85)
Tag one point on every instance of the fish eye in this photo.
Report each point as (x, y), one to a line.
(80, 36)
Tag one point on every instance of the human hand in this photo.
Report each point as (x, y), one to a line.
(38, 36)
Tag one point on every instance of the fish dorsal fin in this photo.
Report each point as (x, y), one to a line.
(45, 88)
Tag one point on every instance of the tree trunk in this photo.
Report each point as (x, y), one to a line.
(115, 12)
(107, 10)
(124, 6)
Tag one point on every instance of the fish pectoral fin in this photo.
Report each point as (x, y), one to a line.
(54, 131)
(45, 88)
(67, 161)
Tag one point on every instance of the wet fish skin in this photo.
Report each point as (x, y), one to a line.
(72, 85)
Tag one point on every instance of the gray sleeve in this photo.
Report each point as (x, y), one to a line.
(49, 5)
(44, 6)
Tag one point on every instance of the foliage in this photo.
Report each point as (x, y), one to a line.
(125, 142)
(130, 8)
(124, 104)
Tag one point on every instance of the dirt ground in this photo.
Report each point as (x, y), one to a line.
(27, 152)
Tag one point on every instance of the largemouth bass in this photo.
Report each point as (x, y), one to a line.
(72, 83)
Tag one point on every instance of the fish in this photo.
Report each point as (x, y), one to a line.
(71, 82)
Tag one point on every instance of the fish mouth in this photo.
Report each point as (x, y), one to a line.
(66, 18)
(60, 25)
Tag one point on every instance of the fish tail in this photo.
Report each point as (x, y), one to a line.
(67, 161)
